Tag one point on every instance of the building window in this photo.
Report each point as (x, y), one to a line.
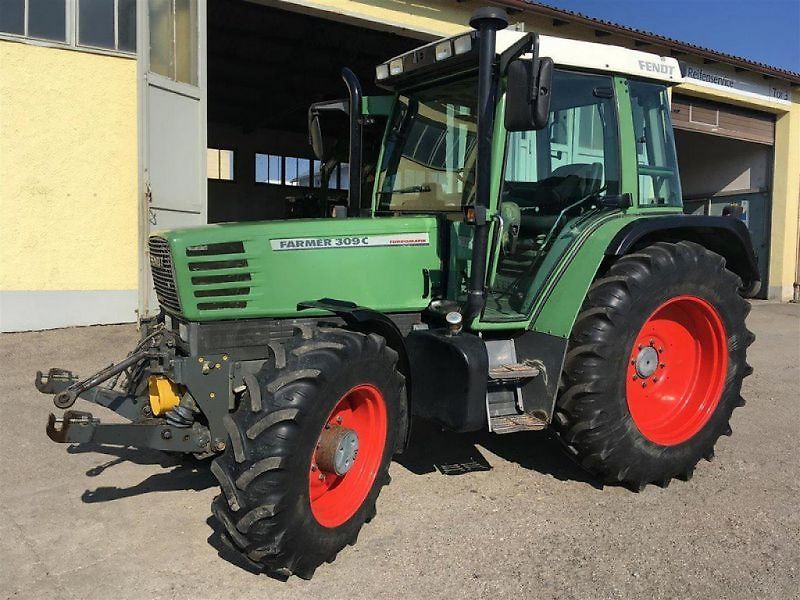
(220, 164)
(173, 39)
(103, 24)
(107, 24)
(38, 19)
(298, 172)
(269, 169)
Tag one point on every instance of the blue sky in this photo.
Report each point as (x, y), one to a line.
(763, 30)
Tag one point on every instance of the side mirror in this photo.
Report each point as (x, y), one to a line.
(321, 151)
(621, 201)
(528, 94)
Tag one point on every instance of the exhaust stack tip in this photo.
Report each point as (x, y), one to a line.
(490, 17)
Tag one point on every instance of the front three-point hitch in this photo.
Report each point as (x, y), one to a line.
(140, 388)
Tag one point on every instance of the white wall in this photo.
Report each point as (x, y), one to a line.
(711, 164)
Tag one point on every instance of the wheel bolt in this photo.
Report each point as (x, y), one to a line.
(313, 467)
(652, 343)
(635, 377)
(660, 349)
(644, 384)
(655, 379)
(633, 362)
(321, 476)
(640, 346)
(662, 365)
(339, 419)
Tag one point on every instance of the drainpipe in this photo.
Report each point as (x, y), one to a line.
(796, 294)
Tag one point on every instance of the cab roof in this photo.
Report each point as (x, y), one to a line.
(415, 66)
(598, 57)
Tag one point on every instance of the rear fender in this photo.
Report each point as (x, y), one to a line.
(727, 236)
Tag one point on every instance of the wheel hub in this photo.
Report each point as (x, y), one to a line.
(677, 370)
(646, 362)
(338, 447)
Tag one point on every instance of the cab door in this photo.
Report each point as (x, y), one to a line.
(172, 124)
(552, 184)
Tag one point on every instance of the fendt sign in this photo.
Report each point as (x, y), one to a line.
(654, 67)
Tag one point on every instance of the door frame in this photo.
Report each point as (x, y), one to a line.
(144, 80)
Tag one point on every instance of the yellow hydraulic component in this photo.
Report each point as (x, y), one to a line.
(164, 394)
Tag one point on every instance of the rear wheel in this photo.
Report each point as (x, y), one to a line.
(655, 365)
(310, 447)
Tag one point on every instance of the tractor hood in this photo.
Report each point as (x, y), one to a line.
(263, 269)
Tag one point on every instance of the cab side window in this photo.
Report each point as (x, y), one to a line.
(659, 184)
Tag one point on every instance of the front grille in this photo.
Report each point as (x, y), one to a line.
(220, 275)
(163, 274)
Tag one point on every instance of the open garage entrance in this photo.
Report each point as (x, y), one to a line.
(265, 67)
(725, 154)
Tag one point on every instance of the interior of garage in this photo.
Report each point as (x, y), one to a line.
(265, 67)
(725, 155)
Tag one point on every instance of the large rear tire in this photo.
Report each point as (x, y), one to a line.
(655, 365)
(309, 450)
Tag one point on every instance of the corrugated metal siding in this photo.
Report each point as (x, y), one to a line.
(716, 118)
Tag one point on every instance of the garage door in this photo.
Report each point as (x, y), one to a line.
(716, 118)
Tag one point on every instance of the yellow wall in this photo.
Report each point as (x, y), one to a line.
(785, 203)
(68, 170)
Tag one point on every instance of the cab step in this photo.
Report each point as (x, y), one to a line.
(513, 371)
(513, 423)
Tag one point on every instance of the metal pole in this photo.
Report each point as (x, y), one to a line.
(356, 95)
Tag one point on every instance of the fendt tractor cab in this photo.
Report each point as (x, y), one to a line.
(518, 259)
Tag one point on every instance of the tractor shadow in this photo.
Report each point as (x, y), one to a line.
(185, 472)
(431, 449)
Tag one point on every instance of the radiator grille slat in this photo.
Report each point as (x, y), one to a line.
(163, 274)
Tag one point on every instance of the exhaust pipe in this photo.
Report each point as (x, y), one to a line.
(487, 20)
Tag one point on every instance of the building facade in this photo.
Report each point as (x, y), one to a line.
(75, 206)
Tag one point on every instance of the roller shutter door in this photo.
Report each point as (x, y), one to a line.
(716, 118)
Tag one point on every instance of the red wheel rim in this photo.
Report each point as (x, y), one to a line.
(335, 498)
(676, 370)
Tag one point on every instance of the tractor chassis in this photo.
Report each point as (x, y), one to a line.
(212, 366)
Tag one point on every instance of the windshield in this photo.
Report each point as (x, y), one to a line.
(429, 159)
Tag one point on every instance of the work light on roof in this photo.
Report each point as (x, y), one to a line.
(444, 50)
(382, 71)
(396, 66)
(462, 44)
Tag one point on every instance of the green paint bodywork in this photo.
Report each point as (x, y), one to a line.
(390, 278)
(385, 278)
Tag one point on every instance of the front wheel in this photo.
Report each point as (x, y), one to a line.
(310, 447)
(655, 365)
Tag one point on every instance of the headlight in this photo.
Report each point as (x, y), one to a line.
(183, 331)
(396, 66)
(463, 44)
(381, 72)
(444, 50)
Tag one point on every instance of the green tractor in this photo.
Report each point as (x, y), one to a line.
(517, 259)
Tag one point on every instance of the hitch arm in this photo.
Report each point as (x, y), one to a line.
(65, 395)
(77, 427)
